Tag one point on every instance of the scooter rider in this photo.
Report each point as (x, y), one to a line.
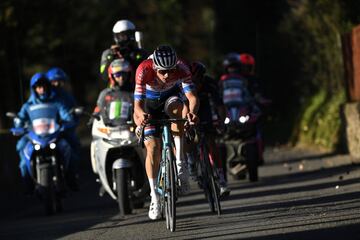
(114, 105)
(58, 79)
(119, 84)
(125, 47)
(157, 86)
(41, 92)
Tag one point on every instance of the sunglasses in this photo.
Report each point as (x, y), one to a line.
(119, 74)
(163, 72)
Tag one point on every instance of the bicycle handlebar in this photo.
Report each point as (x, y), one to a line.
(158, 122)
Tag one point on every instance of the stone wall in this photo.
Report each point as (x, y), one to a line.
(352, 125)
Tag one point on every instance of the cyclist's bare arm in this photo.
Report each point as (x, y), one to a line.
(139, 113)
(193, 101)
(193, 107)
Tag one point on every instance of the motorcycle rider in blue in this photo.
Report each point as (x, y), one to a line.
(42, 93)
(58, 78)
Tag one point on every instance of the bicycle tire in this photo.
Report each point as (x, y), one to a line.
(215, 193)
(206, 187)
(212, 185)
(170, 202)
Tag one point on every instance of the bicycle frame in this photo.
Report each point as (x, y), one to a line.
(167, 180)
(167, 143)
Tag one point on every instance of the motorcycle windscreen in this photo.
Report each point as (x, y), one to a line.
(119, 112)
(43, 118)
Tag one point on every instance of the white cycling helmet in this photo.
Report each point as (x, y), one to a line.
(123, 25)
(124, 31)
(164, 57)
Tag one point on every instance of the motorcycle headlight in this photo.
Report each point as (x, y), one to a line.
(52, 145)
(37, 147)
(227, 120)
(244, 119)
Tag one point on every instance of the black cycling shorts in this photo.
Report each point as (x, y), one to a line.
(156, 108)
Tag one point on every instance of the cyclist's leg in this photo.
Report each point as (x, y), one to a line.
(175, 108)
(152, 144)
(216, 160)
(152, 161)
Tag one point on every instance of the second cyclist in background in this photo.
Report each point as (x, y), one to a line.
(210, 104)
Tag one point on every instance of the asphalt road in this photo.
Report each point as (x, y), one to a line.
(301, 195)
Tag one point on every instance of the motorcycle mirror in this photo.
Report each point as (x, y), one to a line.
(78, 110)
(11, 115)
(139, 38)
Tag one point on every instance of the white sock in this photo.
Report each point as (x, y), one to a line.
(179, 150)
(154, 196)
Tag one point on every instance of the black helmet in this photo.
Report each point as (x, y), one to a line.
(232, 60)
(198, 70)
(164, 57)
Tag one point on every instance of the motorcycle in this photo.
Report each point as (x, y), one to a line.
(119, 162)
(45, 163)
(242, 155)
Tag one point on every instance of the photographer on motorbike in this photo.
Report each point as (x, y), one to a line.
(58, 79)
(210, 104)
(42, 93)
(125, 47)
(157, 87)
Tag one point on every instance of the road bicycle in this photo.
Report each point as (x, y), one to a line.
(167, 180)
(207, 174)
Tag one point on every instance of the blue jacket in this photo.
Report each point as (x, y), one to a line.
(67, 119)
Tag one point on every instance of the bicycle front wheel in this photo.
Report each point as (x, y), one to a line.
(215, 192)
(170, 202)
(212, 184)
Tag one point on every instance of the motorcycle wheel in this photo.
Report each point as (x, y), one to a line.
(251, 156)
(122, 191)
(47, 192)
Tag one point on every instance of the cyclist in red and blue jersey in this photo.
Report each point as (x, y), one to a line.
(158, 81)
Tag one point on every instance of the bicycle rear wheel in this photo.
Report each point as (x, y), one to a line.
(170, 201)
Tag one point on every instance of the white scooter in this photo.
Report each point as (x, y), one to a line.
(118, 160)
